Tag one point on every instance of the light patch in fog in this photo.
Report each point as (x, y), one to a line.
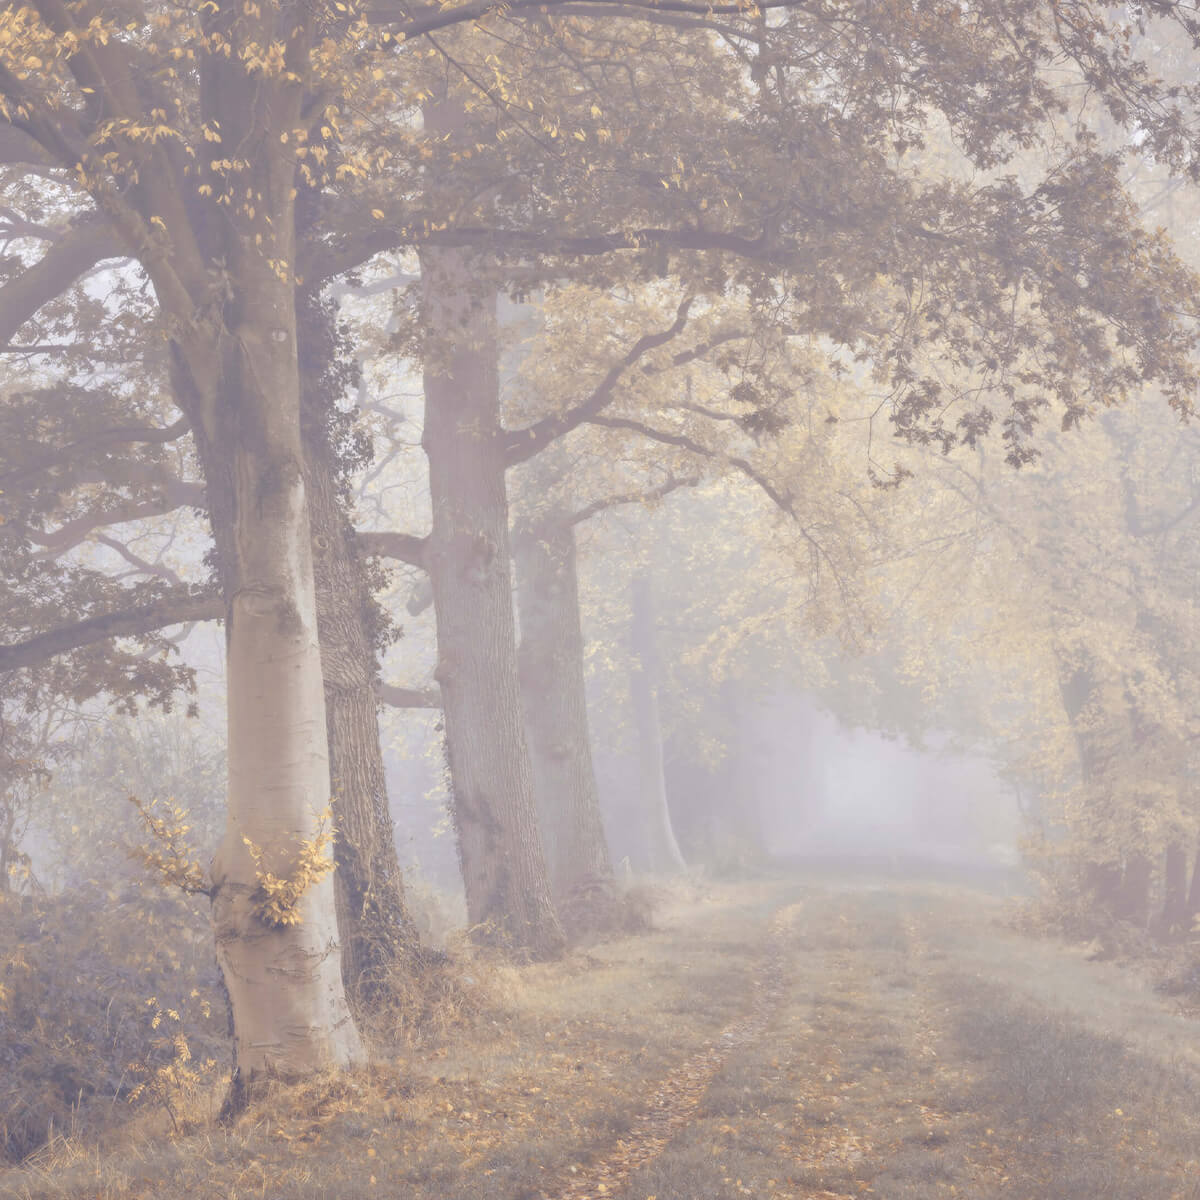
(825, 789)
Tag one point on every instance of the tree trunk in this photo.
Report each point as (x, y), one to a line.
(1133, 900)
(494, 812)
(281, 962)
(376, 931)
(660, 847)
(1175, 913)
(555, 705)
(1102, 877)
(1193, 897)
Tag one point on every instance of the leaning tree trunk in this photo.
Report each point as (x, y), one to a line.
(555, 704)
(495, 818)
(376, 930)
(273, 899)
(660, 848)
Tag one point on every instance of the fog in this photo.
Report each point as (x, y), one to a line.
(598, 598)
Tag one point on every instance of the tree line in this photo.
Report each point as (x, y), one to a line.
(718, 214)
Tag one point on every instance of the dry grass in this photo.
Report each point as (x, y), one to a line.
(523, 1073)
(912, 1055)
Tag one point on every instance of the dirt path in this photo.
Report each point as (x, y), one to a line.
(925, 1051)
(678, 1097)
(804, 1038)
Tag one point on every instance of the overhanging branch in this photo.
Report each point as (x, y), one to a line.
(645, 496)
(69, 257)
(406, 25)
(523, 444)
(130, 622)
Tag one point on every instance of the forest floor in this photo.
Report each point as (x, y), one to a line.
(821, 1035)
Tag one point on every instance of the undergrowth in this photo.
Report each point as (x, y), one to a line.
(106, 1001)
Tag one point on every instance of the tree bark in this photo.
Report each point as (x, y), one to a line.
(1133, 899)
(377, 933)
(1102, 876)
(660, 847)
(1175, 913)
(236, 367)
(555, 705)
(1193, 896)
(468, 559)
(282, 970)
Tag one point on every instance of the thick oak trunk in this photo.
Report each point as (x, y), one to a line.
(504, 869)
(377, 933)
(660, 849)
(555, 704)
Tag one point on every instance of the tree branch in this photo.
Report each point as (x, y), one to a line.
(17, 148)
(136, 560)
(328, 262)
(775, 494)
(55, 541)
(33, 465)
(643, 497)
(407, 26)
(69, 257)
(128, 623)
(523, 444)
(777, 497)
(402, 697)
(404, 547)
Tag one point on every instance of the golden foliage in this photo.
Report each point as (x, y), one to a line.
(277, 897)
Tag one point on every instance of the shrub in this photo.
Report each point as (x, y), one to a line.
(104, 1000)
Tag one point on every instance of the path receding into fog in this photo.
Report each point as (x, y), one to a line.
(916, 1047)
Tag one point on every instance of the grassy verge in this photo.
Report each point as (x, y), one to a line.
(553, 1068)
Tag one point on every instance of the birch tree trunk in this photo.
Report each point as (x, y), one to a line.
(281, 966)
(660, 847)
(237, 366)
(555, 705)
(494, 812)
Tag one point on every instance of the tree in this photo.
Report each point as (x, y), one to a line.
(190, 139)
(162, 151)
